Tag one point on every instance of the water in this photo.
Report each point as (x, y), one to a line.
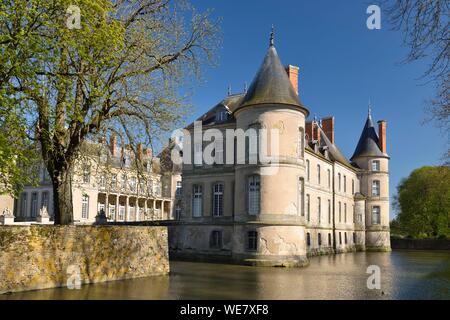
(404, 275)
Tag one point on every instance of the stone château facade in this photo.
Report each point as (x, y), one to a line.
(318, 202)
(106, 179)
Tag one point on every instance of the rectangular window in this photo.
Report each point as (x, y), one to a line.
(329, 239)
(133, 184)
(318, 174)
(375, 165)
(319, 209)
(345, 213)
(307, 170)
(308, 239)
(354, 237)
(340, 238)
(218, 200)
(329, 178)
(301, 184)
(254, 195)
(340, 214)
(308, 207)
(353, 186)
(339, 181)
(179, 189)
(123, 182)
(86, 174)
(216, 239)
(319, 239)
(44, 200)
(34, 204)
(102, 182)
(24, 205)
(345, 237)
(112, 212)
(197, 201)
(375, 188)
(85, 206)
(301, 143)
(252, 240)
(376, 215)
(329, 211)
(345, 183)
(122, 213)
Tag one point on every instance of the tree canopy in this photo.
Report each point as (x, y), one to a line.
(423, 203)
(118, 73)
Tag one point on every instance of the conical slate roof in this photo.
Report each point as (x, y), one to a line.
(271, 84)
(368, 144)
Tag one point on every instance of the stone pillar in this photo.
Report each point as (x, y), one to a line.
(117, 208)
(107, 206)
(127, 217)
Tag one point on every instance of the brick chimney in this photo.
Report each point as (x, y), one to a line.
(148, 152)
(382, 135)
(328, 127)
(292, 72)
(113, 145)
(139, 151)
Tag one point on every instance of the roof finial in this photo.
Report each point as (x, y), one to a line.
(272, 35)
(369, 109)
(229, 89)
(245, 87)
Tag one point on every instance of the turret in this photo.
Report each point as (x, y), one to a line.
(272, 103)
(370, 155)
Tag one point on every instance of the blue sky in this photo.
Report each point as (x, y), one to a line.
(342, 65)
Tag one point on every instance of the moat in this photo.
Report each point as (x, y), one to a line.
(404, 275)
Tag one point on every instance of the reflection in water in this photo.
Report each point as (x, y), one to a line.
(404, 275)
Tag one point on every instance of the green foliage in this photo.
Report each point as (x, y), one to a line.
(423, 203)
(117, 74)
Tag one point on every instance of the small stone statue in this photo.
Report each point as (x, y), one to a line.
(7, 217)
(43, 212)
(7, 213)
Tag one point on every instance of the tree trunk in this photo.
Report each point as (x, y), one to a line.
(62, 198)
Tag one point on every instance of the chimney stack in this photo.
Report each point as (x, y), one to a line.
(148, 152)
(292, 72)
(382, 135)
(328, 127)
(113, 145)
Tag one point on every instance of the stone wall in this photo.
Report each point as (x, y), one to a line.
(39, 257)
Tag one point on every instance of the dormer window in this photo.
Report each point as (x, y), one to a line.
(221, 116)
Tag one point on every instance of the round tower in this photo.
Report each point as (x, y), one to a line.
(269, 224)
(370, 155)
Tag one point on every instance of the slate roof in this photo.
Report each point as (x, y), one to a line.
(368, 144)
